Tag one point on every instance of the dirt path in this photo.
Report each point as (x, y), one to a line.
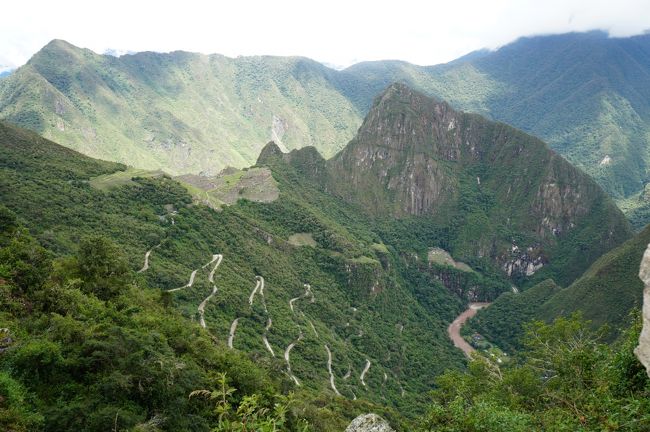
(364, 372)
(269, 323)
(189, 284)
(313, 328)
(218, 258)
(215, 257)
(308, 293)
(329, 370)
(145, 267)
(286, 358)
(259, 282)
(454, 328)
(348, 374)
(233, 329)
(201, 307)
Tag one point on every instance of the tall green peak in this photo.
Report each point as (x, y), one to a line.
(504, 193)
(268, 153)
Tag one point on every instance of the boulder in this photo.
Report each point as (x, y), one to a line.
(369, 423)
(643, 350)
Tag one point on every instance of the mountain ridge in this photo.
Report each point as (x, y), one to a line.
(492, 191)
(594, 116)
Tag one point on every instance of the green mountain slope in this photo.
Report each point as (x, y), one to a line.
(182, 112)
(583, 93)
(363, 303)
(341, 300)
(604, 294)
(496, 191)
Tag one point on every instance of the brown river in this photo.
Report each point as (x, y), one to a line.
(455, 326)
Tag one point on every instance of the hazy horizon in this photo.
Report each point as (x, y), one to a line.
(337, 34)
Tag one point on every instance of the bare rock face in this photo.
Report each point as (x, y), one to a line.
(643, 350)
(369, 423)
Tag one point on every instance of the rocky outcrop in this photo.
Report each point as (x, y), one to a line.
(415, 156)
(519, 263)
(369, 423)
(643, 350)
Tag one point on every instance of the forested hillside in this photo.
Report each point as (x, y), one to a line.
(605, 294)
(585, 94)
(340, 313)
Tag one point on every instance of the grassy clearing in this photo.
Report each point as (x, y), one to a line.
(302, 239)
(108, 182)
(442, 257)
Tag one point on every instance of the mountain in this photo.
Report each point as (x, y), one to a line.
(182, 112)
(585, 94)
(317, 278)
(304, 276)
(495, 191)
(605, 294)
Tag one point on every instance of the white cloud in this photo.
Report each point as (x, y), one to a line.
(336, 31)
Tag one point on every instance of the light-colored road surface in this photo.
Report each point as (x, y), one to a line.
(329, 370)
(308, 293)
(348, 374)
(218, 258)
(189, 284)
(145, 267)
(287, 352)
(201, 307)
(364, 372)
(269, 323)
(233, 329)
(313, 328)
(257, 287)
(454, 328)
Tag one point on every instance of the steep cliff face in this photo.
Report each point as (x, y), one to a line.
(504, 193)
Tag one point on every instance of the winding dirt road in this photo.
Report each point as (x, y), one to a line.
(145, 267)
(260, 281)
(329, 370)
(313, 328)
(215, 257)
(363, 373)
(233, 329)
(454, 328)
(269, 323)
(286, 358)
(201, 308)
(308, 293)
(189, 284)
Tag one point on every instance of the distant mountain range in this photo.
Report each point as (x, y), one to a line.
(586, 94)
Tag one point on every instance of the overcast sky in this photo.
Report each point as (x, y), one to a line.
(339, 32)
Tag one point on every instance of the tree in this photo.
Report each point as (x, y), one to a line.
(102, 267)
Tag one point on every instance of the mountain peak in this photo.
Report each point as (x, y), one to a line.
(271, 151)
(58, 45)
(401, 92)
(403, 118)
(57, 51)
